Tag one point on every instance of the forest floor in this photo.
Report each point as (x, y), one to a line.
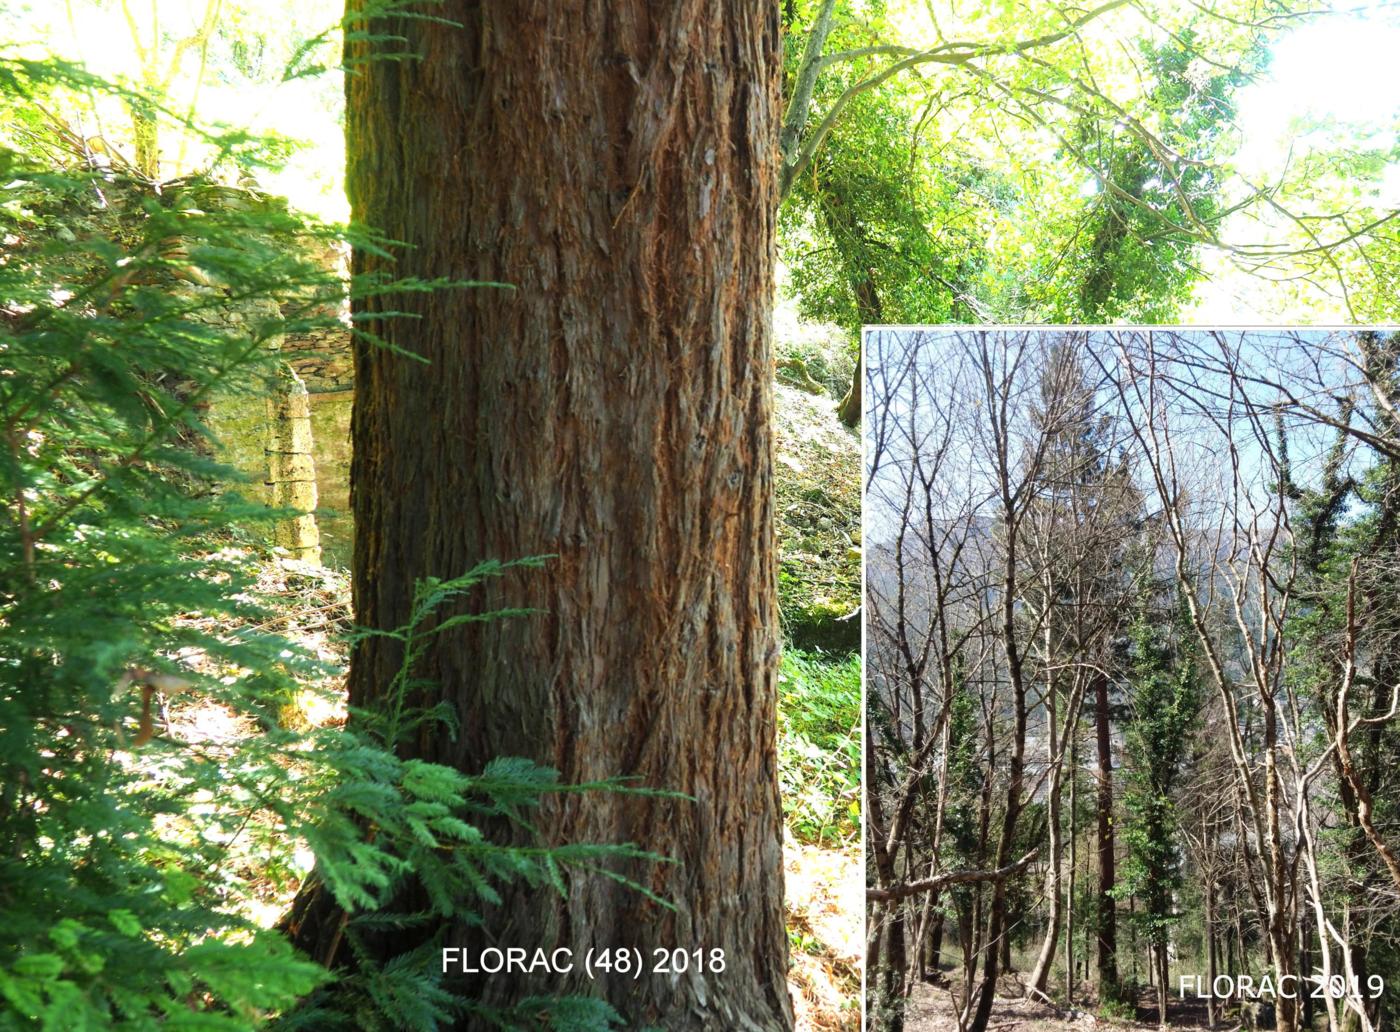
(311, 606)
(825, 897)
(817, 480)
(931, 1009)
(819, 531)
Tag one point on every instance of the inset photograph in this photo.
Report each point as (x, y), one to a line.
(1133, 659)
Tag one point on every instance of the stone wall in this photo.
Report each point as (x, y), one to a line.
(240, 425)
(330, 432)
(323, 360)
(291, 468)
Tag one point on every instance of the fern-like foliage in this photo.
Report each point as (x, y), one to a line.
(116, 908)
(382, 823)
(121, 556)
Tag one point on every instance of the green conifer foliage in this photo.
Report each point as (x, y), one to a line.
(1166, 700)
(119, 905)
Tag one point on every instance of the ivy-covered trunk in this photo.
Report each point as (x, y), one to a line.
(615, 164)
(1107, 924)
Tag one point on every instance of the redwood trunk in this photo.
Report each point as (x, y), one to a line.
(615, 162)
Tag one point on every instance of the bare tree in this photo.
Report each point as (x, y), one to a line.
(1081, 527)
(1028, 490)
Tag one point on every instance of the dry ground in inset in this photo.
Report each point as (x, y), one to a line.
(930, 1009)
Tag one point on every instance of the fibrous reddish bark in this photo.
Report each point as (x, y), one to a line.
(616, 164)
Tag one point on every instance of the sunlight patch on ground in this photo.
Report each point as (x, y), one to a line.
(825, 897)
(825, 892)
(930, 1009)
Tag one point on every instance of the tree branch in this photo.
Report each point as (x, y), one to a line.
(795, 119)
(903, 890)
(960, 53)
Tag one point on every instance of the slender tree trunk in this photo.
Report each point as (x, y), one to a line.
(848, 411)
(1040, 974)
(935, 943)
(967, 936)
(885, 956)
(1242, 950)
(997, 910)
(1232, 952)
(1211, 970)
(974, 937)
(800, 104)
(1282, 928)
(1304, 965)
(616, 164)
(1089, 941)
(931, 914)
(1107, 907)
(892, 972)
(1133, 946)
(1160, 959)
(919, 963)
(997, 923)
(1073, 861)
(145, 124)
(1356, 853)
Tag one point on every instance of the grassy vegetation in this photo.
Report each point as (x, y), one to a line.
(818, 495)
(819, 746)
(819, 713)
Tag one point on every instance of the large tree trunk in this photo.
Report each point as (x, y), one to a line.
(616, 164)
(1107, 906)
